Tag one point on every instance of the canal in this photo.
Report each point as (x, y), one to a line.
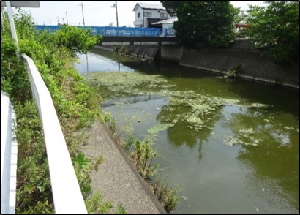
(231, 145)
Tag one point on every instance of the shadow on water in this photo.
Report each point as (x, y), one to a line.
(285, 100)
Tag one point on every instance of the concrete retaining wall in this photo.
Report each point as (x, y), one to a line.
(143, 52)
(254, 66)
(171, 53)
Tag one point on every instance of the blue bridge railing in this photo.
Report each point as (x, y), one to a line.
(118, 31)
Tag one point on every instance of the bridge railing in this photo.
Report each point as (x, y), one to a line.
(66, 192)
(118, 31)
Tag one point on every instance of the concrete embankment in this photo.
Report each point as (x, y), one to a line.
(254, 65)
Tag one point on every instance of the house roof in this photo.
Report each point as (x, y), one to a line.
(166, 21)
(149, 6)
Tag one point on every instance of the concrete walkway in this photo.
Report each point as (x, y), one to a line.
(117, 179)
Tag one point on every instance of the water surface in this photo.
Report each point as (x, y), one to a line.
(232, 145)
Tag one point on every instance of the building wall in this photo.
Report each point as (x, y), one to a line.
(154, 14)
(139, 10)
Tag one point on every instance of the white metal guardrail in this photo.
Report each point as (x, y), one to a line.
(9, 157)
(67, 197)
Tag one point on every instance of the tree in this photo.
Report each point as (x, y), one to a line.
(276, 29)
(171, 6)
(239, 15)
(203, 23)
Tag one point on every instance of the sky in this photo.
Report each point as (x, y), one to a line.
(96, 13)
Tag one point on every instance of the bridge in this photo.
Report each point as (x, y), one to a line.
(126, 35)
(109, 31)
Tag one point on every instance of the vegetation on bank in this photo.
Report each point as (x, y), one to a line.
(75, 102)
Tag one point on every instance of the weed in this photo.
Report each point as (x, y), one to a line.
(95, 204)
(233, 72)
(106, 117)
(129, 142)
(121, 210)
(112, 125)
(99, 161)
(142, 157)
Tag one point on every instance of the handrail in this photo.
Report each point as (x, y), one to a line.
(118, 31)
(66, 193)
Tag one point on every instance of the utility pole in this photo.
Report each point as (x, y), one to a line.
(67, 17)
(82, 13)
(57, 20)
(115, 5)
(117, 14)
(63, 20)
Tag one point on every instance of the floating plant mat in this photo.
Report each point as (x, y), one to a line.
(195, 110)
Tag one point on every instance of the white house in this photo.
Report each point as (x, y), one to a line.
(146, 14)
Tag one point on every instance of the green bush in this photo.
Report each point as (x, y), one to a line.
(275, 28)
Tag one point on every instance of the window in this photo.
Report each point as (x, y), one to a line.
(139, 14)
(163, 15)
(147, 14)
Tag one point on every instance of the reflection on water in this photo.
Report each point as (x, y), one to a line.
(87, 63)
(90, 63)
(232, 145)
